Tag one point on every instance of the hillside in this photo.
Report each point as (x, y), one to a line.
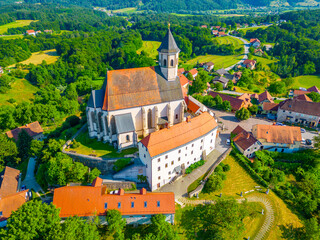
(176, 5)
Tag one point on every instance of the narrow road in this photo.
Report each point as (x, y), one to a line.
(246, 51)
(266, 226)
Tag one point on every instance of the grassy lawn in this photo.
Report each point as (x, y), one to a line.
(219, 60)
(16, 24)
(264, 61)
(306, 81)
(150, 47)
(230, 40)
(125, 10)
(21, 90)
(50, 56)
(238, 180)
(100, 149)
(251, 28)
(9, 37)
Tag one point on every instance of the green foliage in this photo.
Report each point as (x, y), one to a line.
(230, 85)
(5, 81)
(253, 109)
(94, 173)
(222, 220)
(190, 77)
(316, 142)
(115, 224)
(36, 148)
(243, 114)
(315, 97)
(121, 164)
(200, 83)
(75, 144)
(214, 183)
(277, 87)
(218, 86)
(142, 178)
(161, 229)
(8, 151)
(193, 166)
(32, 221)
(24, 144)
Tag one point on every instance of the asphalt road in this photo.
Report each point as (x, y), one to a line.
(246, 52)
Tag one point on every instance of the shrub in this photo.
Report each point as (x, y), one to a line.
(226, 167)
(214, 183)
(121, 164)
(194, 166)
(11, 100)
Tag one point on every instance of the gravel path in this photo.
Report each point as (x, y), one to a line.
(266, 226)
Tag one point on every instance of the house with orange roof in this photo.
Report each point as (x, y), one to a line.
(135, 102)
(255, 42)
(251, 64)
(11, 198)
(246, 97)
(300, 91)
(181, 71)
(236, 103)
(94, 200)
(278, 138)
(193, 72)
(34, 130)
(195, 107)
(168, 152)
(245, 142)
(262, 97)
(31, 32)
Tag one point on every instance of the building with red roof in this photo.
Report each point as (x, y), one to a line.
(168, 152)
(193, 72)
(236, 103)
(94, 200)
(34, 130)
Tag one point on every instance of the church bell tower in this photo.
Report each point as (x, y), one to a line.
(169, 57)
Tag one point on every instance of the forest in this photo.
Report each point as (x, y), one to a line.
(296, 43)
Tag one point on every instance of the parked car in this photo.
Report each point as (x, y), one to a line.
(228, 142)
(308, 142)
(303, 130)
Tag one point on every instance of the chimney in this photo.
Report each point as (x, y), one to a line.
(121, 191)
(188, 119)
(143, 191)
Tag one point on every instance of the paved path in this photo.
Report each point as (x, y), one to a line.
(180, 186)
(268, 222)
(30, 180)
(246, 51)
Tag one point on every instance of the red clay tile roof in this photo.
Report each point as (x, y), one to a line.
(9, 181)
(235, 103)
(127, 88)
(90, 201)
(303, 97)
(244, 140)
(181, 71)
(179, 134)
(253, 40)
(193, 107)
(237, 130)
(193, 71)
(314, 89)
(183, 80)
(33, 129)
(298, 106)
(248, 61)
(300, 92)
(277, 134)
(268, 106)
(215, 31)
(12, 203)
(30, 31)
(265, 96)
(222, 33)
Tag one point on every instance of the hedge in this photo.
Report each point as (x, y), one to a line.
(194, 166)
(244, 162)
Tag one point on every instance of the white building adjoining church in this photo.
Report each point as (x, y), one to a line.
(136, 102)
(168, 152)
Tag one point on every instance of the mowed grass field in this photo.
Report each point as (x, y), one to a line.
(9, 37)
(218, 60)
(306, 81)
(230, 40)
(251, 28)
(21, 90)
(150, 47)
(16, 24)
(50, 56)
(238, 180)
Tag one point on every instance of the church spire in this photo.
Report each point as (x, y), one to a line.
(168, 44)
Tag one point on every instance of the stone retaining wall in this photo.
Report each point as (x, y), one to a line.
(210, 171)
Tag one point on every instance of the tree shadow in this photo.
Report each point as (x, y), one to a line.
(290, 232)
(230, 118)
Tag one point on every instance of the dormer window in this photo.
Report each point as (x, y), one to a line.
(119, 204)
(145, 204)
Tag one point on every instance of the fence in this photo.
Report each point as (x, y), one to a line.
(209, 173)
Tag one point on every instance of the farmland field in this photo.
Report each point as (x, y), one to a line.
(9, 37)
(244, 30)
(230, 40)
(306, 81)
(150, 47)
(16, 24)
(50, 56)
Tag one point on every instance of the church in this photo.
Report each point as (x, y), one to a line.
(135, 102)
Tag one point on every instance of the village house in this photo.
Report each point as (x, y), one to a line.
(48, 31)
(204, 26)
(251, 64)
(11, 198)
(255, 42)
(236, 103)
(222, 80)
(303, 97)
(181, 71)
(258, 52)
(299, 112)
(278, 138)
(195, 107)
(34, 130)
(245, 142)
(262, 97)
(222, 71)
(222, 34)
(151, 97)
(246, 97)
(208, 66)
(168, 152)
(215, 32)
(268, 108)
(297, 92)
(193, 72)
(94, 200)
(31, 32)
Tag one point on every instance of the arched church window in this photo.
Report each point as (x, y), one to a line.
(164, 62)
(149, 119)
(171, 62)
(128, 138)
(100, 121)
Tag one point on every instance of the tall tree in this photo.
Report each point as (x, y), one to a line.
(161, 229)
(24, 144)
(116, 224)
